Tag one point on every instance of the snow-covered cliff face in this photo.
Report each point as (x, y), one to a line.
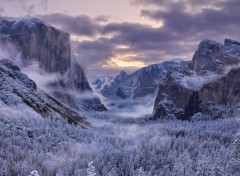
(18, 91)
(212, 79)
(103, 81)
(38, 42)
(215, 57)
(50, 49)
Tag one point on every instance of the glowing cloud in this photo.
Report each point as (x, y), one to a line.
(125, 61)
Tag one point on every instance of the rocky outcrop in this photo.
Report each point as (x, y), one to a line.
(17, 90)
(38, 42)
(103, 81)
(211, 79)
(50, 49)
(172, 96)
(215, 57)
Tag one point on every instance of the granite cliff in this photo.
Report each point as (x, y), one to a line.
(211, 79)
(50, 48)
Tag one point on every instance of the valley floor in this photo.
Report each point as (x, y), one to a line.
(117, 146)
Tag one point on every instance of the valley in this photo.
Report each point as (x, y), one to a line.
(118, 146)
(178, 117)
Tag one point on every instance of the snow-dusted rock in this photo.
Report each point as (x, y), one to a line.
(213, 78)
(50, 49)
(103, 81)
(213, 56)
(38, 42)
(17, 90)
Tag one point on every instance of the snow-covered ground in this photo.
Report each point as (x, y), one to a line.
(117, 145)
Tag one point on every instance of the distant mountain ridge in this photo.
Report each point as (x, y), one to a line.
(50, 48)
(142, 82)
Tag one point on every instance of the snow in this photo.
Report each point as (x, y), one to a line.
(29, 21)
(118, 146)
(103, 81)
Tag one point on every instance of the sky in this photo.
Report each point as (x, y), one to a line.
(108, 36)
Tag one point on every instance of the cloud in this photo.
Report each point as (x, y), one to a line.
(209, 19)
(143, 40)
(28, 6)
(166, 3)
(92, 53)
(184, 24)
(141, 43)
(44, 4)
(102, 18)
(78, 25)
(1, 10)
(148, 43)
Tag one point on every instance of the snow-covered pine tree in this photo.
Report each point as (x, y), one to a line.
(34, 173)
(91, 171)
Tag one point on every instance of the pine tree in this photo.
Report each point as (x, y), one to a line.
(141, 172)
(91, 171)
(34, 173)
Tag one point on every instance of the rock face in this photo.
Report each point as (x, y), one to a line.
(17, 90)
(211, 79)
(213, 56)
(103, 81)
(38, 42)
(141, 83)
(50, 49)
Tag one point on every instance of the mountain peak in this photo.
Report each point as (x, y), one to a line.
(123, 73)
(121, 76)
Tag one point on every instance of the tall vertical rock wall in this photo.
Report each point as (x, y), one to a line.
(50, 48)
(211, 79)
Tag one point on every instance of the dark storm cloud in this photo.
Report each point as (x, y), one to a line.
(147, 41)
(195, 16)
(101, 18)
(186, 23)
(91, 53)
(78, 25)
(127, 33)
(168, 3)
(135, 35)
(178, 20)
